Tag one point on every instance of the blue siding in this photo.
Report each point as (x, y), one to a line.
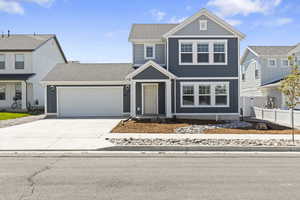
(229, 70)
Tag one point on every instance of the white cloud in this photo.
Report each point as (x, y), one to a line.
(243, 7)
(283, 21)
(157, 14)
(234, 22)
(11, 7)
(175, 20)
(15, 6)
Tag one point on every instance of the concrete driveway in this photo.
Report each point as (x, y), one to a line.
(58, 134)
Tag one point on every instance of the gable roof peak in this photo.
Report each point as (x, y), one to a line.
(210, 15)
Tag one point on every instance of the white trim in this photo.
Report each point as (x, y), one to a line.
(133, 99)
(157, 100)
(208, 78)
(210, 51)
(145, 51)
(202, 36)
(204, 23)
(195, 114)
(46, 95)
(239, 74)
(272, 59)
(167, 55)
(212, 94)
(51, 114)
(143, 41)
(150, 63)
(209, 15)
(150, 80)
(84, 82)
(64, 87)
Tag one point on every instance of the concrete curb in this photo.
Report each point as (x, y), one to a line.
(204, 148)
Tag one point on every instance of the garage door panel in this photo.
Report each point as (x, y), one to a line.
(98, 101)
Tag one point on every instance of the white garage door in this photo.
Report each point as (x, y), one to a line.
(90, 101)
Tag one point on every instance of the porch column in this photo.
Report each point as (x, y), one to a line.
(168, 99)
(133, 99)
(24, 95)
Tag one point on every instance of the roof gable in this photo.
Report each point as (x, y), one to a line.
(154, 65)
(212, 28)
(150, 73)
(209, 15)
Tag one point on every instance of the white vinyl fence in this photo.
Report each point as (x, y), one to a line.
(278, 116)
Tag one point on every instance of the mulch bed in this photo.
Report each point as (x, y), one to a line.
(168, 126)
(148, 126)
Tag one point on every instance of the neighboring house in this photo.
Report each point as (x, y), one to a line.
(24, 61)
(262, 69)
(188, 70)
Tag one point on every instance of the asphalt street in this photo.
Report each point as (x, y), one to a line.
(151, 176)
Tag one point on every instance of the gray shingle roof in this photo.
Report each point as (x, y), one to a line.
(89, 72)
(149, 31)
(272, 50)
(23, 42)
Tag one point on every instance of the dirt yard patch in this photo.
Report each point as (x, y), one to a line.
(148, 126)
(168, 126)
(272, 129)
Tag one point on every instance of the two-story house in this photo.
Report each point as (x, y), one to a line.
(262, 69)
(188, 70)
(24, 61)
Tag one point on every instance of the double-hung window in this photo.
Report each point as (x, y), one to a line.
(221, 95)
(188, 95)
(149, 51)
(2, 92)
(186, 50)
(256, 73)
(2, 61)
(202, 52)
(219, 53)
(204, 94)
(19, 61)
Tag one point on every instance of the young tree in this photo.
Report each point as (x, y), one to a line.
(290, 87)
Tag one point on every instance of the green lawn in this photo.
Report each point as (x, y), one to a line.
(5, 116)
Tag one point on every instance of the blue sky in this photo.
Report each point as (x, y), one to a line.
(97, 30)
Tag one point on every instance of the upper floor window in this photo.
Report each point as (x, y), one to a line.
(2, 61)
(2, 92)
(149, 51)
(186, 53)
(203, 25)
(19, 61)
(272, 62)
(219, 53)
(203, 52)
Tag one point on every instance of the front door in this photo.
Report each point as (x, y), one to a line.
(150, 99)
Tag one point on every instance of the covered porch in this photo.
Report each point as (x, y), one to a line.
(13, 91)
(151, 91)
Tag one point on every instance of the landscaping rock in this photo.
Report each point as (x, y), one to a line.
(261, 126)
(203, 142)
(196, 129)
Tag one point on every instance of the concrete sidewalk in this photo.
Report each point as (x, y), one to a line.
(201, 136)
